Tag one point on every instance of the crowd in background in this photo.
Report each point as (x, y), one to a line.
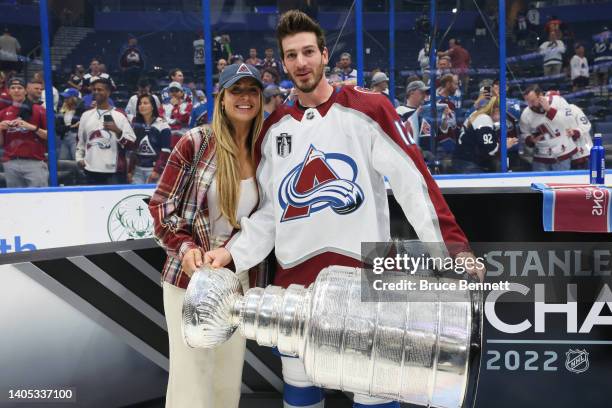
(102, 140)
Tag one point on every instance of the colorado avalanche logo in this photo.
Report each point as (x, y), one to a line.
(99, 138)
(313, 186)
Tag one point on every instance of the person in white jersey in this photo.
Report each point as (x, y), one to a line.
(320, 166)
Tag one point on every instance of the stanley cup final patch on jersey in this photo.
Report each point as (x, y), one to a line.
(322, 180)
(283, 145)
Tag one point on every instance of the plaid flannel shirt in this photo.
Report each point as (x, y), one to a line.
(178, 232)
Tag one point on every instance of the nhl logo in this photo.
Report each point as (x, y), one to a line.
(283, 145)
(577, 361)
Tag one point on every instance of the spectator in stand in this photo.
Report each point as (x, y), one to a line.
(443, 67)
(269, 77)
(176, 75)
(347, 73)
(553, 51)
(410, 113)
(253, 60)
(89, 100)
(97, 70)
(75, 80)
(131, 62)
(35, 90)
(38, 78)
(144, 88)
(23, 136)
(446, 95)
(478, 143)
(380, 83)
(547, 127)
(152, 142)
(553, 25)
(521, 29)
(177, 112)
(270, 62)
(198, 55)
(460, 61)
(104, 134)
(222, 48)
(272, 99)
(9, 52)
(199, 113)
(579, 68)
(602, 50)
(5, 98)
(221, 64)
(67, 125)
(423, 60)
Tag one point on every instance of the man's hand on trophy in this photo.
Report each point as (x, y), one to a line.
(218, 258)
(472, 265)
(192, 260)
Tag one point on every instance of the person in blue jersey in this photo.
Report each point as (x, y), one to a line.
(478, 145)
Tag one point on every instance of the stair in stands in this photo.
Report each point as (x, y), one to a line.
(66, 39)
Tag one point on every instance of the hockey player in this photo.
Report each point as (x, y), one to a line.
(320, 166)
(547, 126)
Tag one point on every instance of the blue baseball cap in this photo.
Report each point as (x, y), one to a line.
(235, 72)
(69, 92)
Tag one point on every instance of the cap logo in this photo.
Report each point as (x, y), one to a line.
(243, 69)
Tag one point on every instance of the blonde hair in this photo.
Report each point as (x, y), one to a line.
(228, 168)
(69, 104)
(487, 109)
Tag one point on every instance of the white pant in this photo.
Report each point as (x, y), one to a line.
(200, 378)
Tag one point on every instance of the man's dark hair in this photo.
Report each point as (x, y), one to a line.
(294, 22)
(174, 71)
(535, 88)
(104, 82)
(446, 79)
(139, 118)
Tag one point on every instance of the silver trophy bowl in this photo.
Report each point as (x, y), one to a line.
(424, 350)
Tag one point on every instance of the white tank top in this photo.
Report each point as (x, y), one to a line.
(220, 228)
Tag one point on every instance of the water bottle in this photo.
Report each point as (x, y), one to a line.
(597, 161)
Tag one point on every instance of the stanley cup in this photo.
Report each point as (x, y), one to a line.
(424, 351)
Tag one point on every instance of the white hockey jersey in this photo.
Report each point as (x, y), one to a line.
(553, 125)
(320, 174)
(584, 142)
(100, 147)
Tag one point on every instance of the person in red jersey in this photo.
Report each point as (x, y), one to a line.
(24, 137)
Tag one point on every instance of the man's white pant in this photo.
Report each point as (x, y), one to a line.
(200, 378)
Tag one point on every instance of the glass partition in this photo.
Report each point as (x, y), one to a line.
(554, 56)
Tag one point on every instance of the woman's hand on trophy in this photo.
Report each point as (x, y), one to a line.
(218, 258)
(192, 260)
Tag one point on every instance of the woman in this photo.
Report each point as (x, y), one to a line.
(478, 143)
(189, 224)
(67, 125)
(152, 142)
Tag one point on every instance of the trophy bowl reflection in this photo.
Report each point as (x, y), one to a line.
(424, 350)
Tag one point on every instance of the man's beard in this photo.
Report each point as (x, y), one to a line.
(309, 86)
